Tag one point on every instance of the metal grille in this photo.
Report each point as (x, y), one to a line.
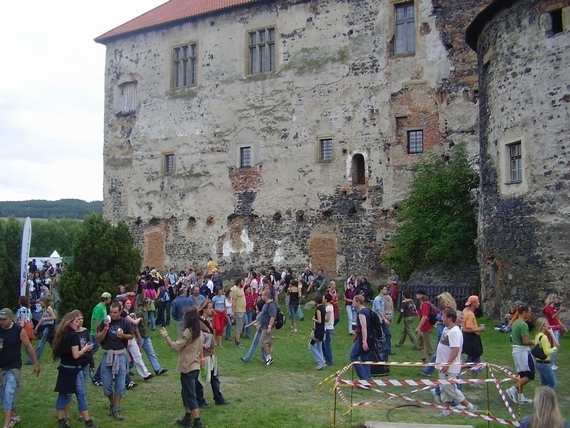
(326, 149)
(245, 157)
(415, 142)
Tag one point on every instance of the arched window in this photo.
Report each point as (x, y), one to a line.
(358, 171)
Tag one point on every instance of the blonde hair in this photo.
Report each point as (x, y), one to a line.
(539, 324)
(550, 298)
(546, 412)
(447, 299)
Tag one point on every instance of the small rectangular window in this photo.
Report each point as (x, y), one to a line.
(262, 51)
(326, 149)
(184, 66)
(405, 42)
(415, 142)
(515, 156)
(245, 157)
(169, 163)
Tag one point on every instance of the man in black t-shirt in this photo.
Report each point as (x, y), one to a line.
(12, 336)
(113, 335)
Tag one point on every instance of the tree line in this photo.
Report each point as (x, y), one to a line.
(38, 208)
(103, 257)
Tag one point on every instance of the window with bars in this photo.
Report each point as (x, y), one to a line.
(245, 157)
(326, 149)
(128, 98)
(405, 42)
(262, 51)
(415, 142)
(515, 162)
(184, 65)
(169, 163)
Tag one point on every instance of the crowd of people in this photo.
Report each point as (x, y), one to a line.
(206, 313)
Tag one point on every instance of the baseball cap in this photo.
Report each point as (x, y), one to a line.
(106, 295)
(471, 300)
(6, 313)
(422, 291)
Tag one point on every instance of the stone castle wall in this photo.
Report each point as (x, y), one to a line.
(524, 231)
(337, 77)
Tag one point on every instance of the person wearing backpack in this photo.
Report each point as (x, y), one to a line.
(544, 366)
(360, 350)
(425, 327)
(164, 303)
(267, 318)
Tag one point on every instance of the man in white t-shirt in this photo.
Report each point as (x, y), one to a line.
(449, 356)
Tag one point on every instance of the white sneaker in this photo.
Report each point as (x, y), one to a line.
(442, 415)
(524, 400)
(460, 407)
(554, 367)
(435, 396)
(269, 360)
(512, 393)
(294, 330)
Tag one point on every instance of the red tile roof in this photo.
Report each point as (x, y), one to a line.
(171, 11)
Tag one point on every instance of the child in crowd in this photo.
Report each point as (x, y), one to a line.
(220, 317)
(505, 327)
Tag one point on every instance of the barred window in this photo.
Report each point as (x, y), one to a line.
(184, 65)
(262, 51)
(169, 163)
(326, 149)
(415, 142)
(245, 157)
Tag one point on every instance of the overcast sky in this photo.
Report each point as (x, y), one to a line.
(51, 95)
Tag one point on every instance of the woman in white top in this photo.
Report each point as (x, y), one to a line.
(329, 329)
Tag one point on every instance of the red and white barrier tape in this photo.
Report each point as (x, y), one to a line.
(427, 384)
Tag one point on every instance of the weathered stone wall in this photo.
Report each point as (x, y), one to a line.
(525, 96)
(336, 78)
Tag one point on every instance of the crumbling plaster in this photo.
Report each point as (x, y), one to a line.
(336, 79)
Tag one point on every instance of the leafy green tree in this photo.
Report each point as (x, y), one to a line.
(104, 256)
(10, 250)
(52, 235)
(437, 223)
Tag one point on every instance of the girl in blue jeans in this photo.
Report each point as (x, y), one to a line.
(67, 347)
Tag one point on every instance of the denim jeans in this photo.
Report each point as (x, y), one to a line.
(161, 317)
(316, 349)
(300, 313)
(547, 377)
(358, 354)
(351, 318)
(146, 345)
(42, 343)
(327, 347)
(9, 390)
(553, 356)
(248, 319)
(80, 393)
(253, 347)
(228, 328)
(107, 376)
(188, 382)
(293, 313)
(215, 384)
(151, 320)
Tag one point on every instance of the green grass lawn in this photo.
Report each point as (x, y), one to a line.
(286, 394)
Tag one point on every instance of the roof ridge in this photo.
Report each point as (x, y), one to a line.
(171, 11)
